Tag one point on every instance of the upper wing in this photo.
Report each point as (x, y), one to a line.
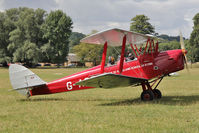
(114, 37)
(109, 80)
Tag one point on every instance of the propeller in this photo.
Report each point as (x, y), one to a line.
(183, 50)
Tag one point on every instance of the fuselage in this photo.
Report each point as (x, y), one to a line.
(147, 66)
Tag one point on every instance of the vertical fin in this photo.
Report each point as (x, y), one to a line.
(22, 78)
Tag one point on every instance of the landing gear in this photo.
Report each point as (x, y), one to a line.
(28, 94)
(157, 93)
(148, 93)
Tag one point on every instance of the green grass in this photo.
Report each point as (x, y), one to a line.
(102, 110)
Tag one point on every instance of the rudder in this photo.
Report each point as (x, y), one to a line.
(22, 78)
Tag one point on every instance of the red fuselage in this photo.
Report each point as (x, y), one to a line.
(147, 66)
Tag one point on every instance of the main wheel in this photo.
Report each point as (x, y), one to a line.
(147, 95)
(157, 93)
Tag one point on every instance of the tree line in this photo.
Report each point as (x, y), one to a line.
(30, 36)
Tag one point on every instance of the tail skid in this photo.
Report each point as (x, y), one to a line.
(22, 79)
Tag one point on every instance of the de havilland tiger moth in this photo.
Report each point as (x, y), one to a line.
(147, 69)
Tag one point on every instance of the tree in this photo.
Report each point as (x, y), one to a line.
(57, 30)
(88, 52)
(191, 51)
(7, 19)
(169, 45)
(46, 51)
(140, 24)
(27, 53)
(22, 29)
(75, 39)
(193, 46)
(33, 25)
(170, 38)
(26, 32)
(3, 44)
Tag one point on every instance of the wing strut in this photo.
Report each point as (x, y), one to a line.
(104, 57)
(134, 50)
(122, 54)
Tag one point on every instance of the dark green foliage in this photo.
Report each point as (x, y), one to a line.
(169, 45)
(193, 45)
(29, 36)
(6, 26)
(170, 38)
(46, 49)
(140, 24)
(191, 51)
(29, 53)
(75, 39)
(26, 38)
(89, 52)
(57, 30)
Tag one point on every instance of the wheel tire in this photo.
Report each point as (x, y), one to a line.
(157, 93)
(147, 95)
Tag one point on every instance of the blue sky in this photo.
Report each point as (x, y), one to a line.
(168, 16)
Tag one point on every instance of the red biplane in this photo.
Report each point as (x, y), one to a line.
(147, 69)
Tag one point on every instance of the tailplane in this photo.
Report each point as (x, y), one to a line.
(22, 79)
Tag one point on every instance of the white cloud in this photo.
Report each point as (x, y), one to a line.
(1, 5)
(188, 17)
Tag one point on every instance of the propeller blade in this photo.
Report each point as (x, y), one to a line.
(183, 50)
(185, 61)
(182, 41)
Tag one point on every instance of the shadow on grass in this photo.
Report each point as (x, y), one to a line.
(41, 99)
(166, 100)
(62, 99)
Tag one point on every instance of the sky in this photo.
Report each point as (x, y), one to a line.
(167, 16)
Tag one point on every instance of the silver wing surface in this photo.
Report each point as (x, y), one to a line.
(115, 36)
(109, 80)
(22, 78)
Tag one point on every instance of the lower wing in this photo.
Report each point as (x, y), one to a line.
(109, 80)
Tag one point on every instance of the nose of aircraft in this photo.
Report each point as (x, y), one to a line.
(184, 51)
(182, 59)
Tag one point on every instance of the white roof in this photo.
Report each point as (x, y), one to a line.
(115, 36)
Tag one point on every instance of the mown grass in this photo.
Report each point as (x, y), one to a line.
(102, 110)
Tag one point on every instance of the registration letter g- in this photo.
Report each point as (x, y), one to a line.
(69, 85)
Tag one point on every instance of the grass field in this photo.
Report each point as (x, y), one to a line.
(102, 110)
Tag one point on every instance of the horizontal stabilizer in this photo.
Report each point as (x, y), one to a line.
(109, 80)
(22, 78)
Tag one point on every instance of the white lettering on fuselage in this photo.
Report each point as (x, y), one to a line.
(135, 67)
(69, 86)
